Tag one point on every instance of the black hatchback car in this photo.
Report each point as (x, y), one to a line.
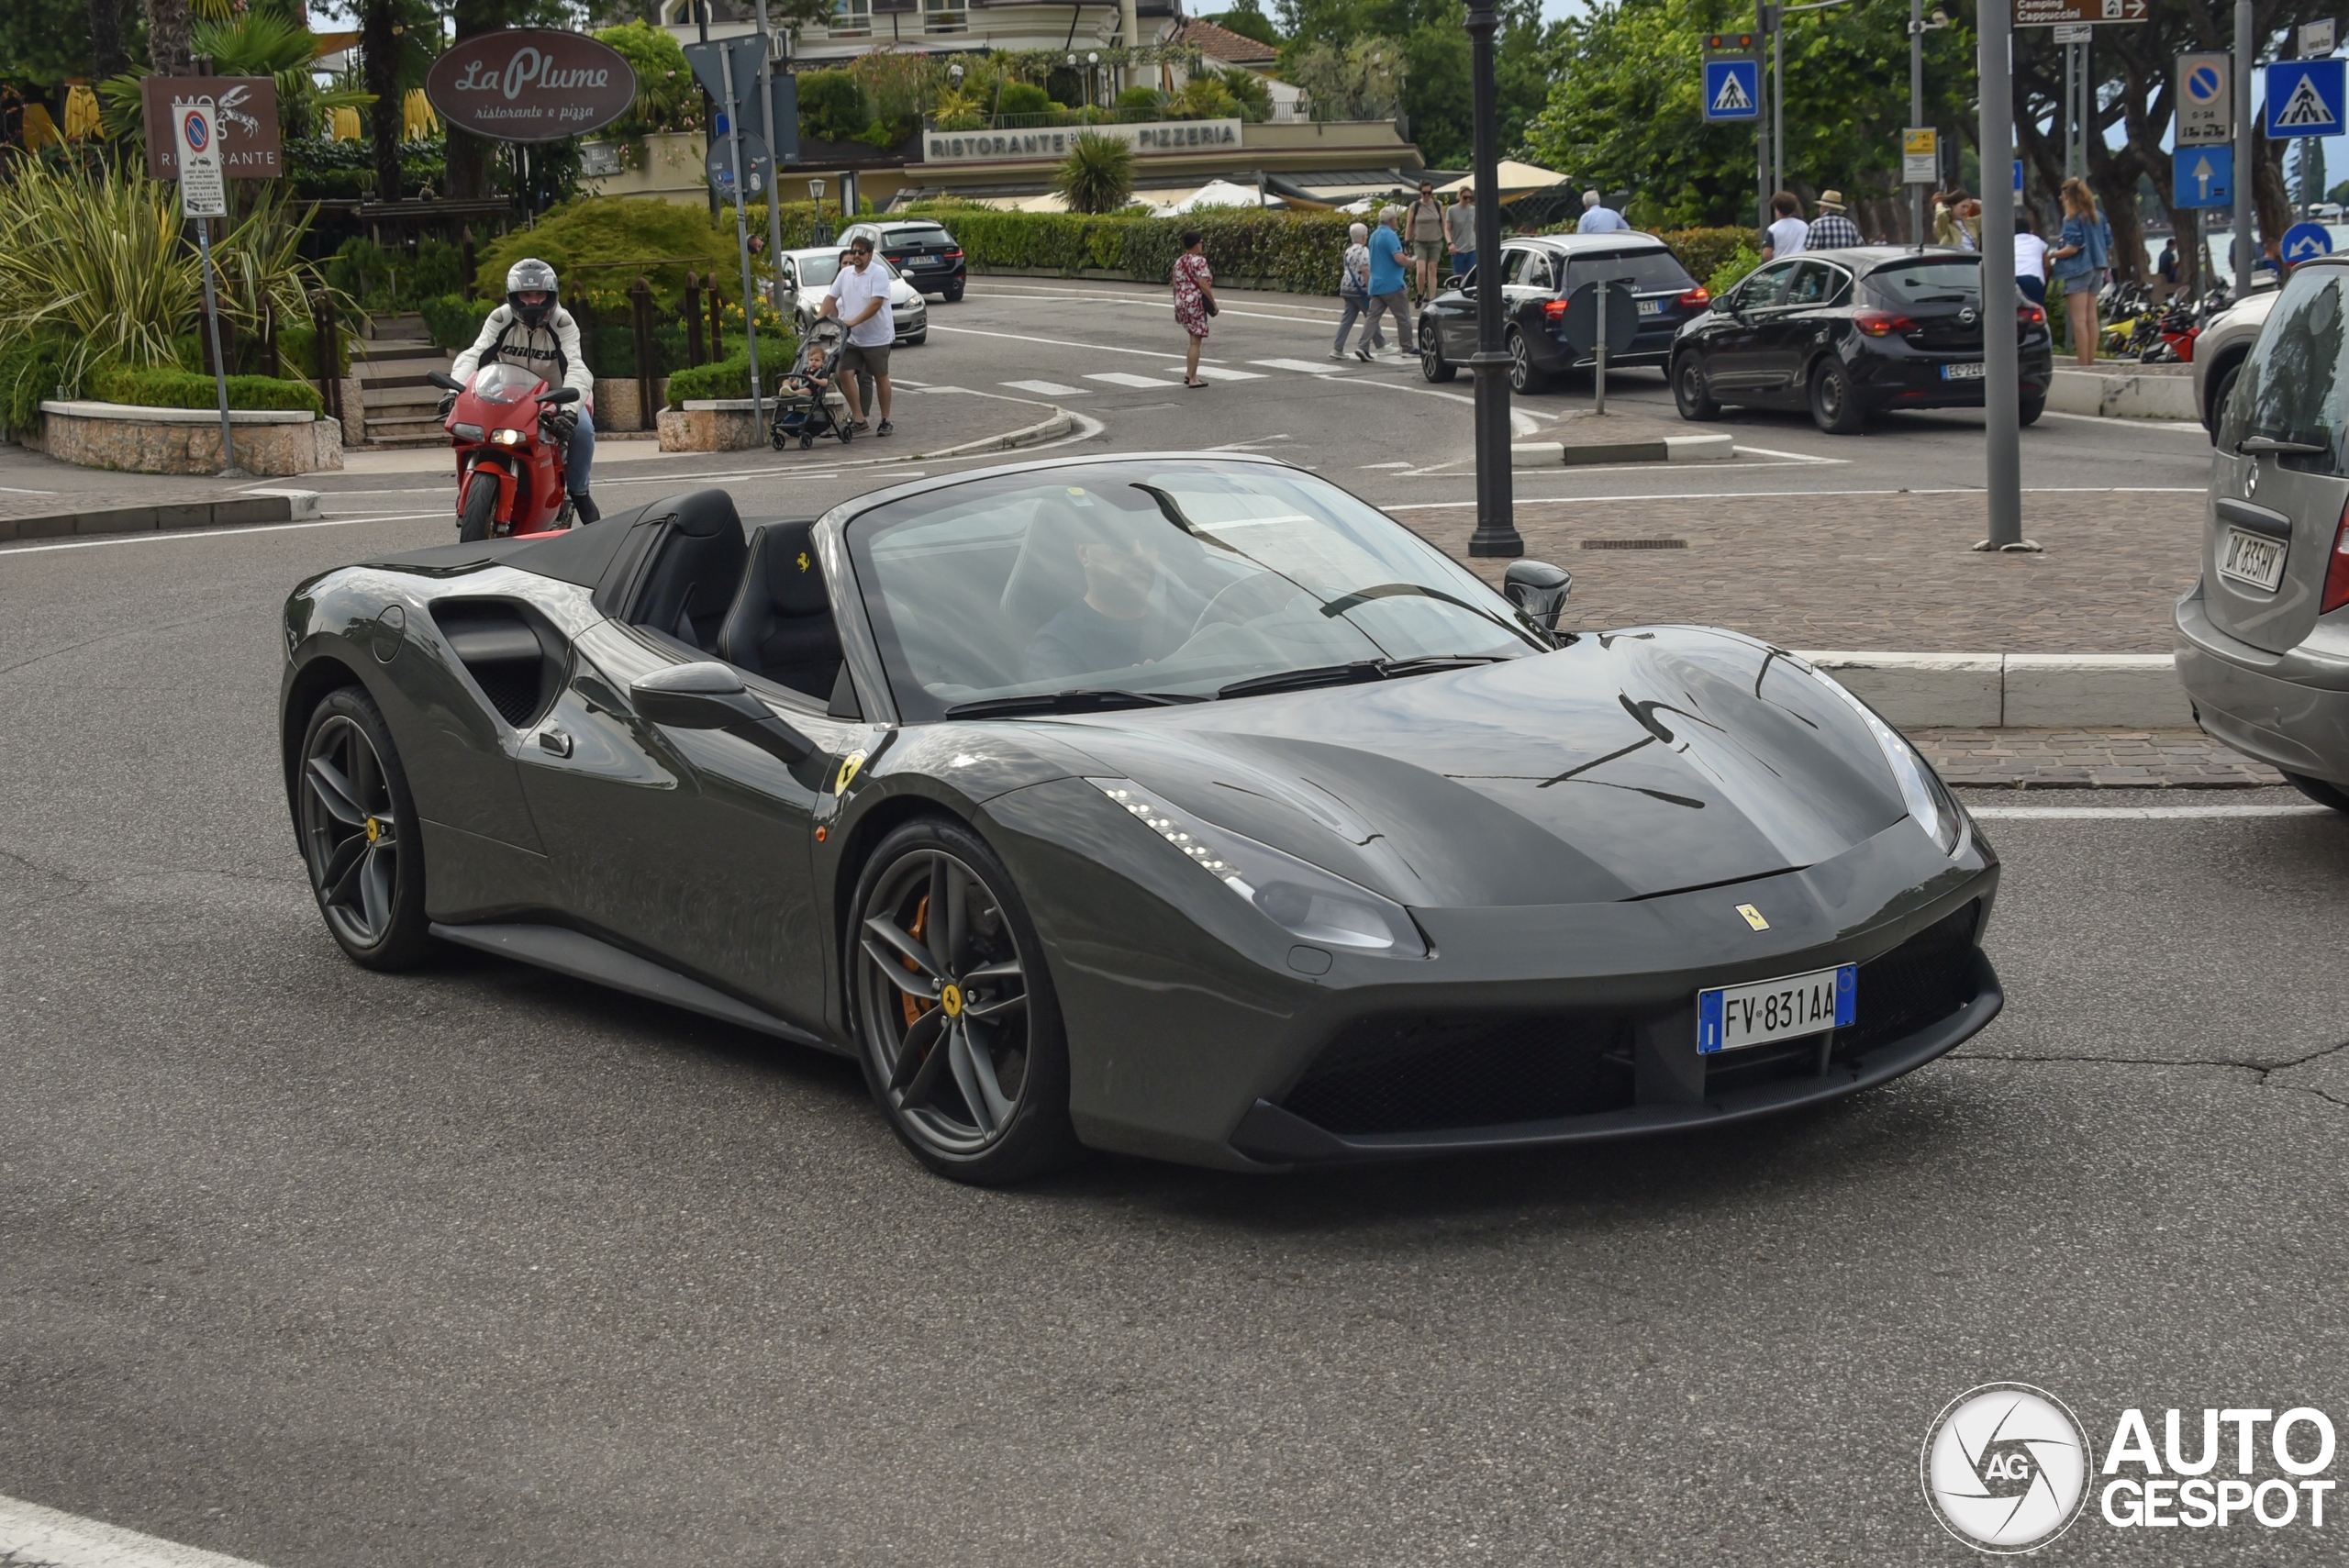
(921, 249)
(1537, 274)
(1850, 333)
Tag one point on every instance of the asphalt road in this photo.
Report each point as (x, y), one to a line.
(318, 1267)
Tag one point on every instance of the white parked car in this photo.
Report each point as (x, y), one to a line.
(807, 275)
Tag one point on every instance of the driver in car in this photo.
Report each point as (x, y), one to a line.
(532, 331)
(1131, 613)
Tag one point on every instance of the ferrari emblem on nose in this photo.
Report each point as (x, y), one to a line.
(1753, 917)
(952, 1000)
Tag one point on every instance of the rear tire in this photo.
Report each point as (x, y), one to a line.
(1525, 377)
(1694, 398)
(1433, 366)
(479, 514)
(1835, 406)
(953, 292)
(2028, 411)
(2323, 794)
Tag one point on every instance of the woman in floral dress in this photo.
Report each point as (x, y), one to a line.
(1194, 299)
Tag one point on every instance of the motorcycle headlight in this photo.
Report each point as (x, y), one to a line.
(1313, 905)
(1928, 800)
(506, 437)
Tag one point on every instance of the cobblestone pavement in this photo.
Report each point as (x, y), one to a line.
(2075, 759)
(1874, 572)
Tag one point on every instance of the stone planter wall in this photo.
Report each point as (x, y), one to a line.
(721, 425)
(617, 399)
(187, 441)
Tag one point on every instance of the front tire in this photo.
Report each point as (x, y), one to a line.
(957, 1024)
(1689, 391)
(358, 832)
(1835, 406)
(479, 514)
(1525, 377)
(2321, 792)
(2027, 412)
(1433, 366)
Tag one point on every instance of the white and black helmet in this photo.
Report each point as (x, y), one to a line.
(530, 275)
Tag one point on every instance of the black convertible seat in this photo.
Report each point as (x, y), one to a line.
(694, 568)
(781, 626)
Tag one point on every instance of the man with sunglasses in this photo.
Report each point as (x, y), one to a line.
(859, 297)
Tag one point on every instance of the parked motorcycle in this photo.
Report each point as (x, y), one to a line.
(509, 460)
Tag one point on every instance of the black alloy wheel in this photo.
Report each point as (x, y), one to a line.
(960, 1033)
(1433, 366)
(1690, 391)
(359, 833)
(1524, 376)
(1835, 406)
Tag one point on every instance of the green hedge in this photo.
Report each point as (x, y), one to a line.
(163, 388)
(1704, 251)
(1299, 252)
(730, 377)
(30, 372)
(452, 321)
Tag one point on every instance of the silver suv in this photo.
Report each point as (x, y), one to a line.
(2263, 638)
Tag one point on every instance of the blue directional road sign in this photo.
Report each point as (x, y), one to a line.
(2304, 97)
(1733, 87)
(2306, 241)
(2204, 176)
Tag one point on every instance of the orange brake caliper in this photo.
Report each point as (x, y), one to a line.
(920, 931)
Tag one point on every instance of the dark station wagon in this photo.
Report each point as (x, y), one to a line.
(1537, 276)
(921, 249)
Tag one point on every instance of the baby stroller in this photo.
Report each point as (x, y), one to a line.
(803, 412)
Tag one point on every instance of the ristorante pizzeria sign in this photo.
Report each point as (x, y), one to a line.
(529, 85)
(1056, 142)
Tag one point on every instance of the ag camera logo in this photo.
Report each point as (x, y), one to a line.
(2005, 1467)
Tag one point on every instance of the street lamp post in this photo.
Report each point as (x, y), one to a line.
(2246, 254)
(2002, 394)
(1495, 514)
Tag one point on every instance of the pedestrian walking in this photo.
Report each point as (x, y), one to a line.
(859, 297)
(1354, 285)
(2031, 260)
(1424, 228)
(1832, 230)
(1460, 227)
(2080, 256)
(1386, 286)
(1598, 218)
(1194, 300)
(1787, 235)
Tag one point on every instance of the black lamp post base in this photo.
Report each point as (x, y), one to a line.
(1486, 542)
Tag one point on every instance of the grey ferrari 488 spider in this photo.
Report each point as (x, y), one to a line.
(1181, 805)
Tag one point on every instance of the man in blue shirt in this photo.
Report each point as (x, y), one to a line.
(1387, 287)
(1598, 218)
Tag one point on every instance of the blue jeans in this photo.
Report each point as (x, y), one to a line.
(1464, 262)
(2033, 289)
(583, 452)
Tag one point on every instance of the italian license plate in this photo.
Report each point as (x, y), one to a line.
(1971, 370)
(1651, 308)
(2252, 558)
(1730, 1018)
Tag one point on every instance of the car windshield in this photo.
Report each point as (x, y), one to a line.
(817, 269)
(927, 234)
(498, 382)
(1940, 281)
(1651, 271)
(1172, 578)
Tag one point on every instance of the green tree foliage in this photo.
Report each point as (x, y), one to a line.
(613, 230)
(666, 96)
(1098, 175)
(1025, 98)
(1246, 19)
(831, 105)
(1432, 38)
(1626, 111)
(1255, 99)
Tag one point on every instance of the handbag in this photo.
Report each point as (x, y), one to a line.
(1208, 300)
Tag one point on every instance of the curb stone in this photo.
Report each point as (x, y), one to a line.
(1671, 448)
(1993, 691)
(254, 507)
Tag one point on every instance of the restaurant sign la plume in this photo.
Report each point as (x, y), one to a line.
(526, 84)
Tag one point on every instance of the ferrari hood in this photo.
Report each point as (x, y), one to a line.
(1626, 765)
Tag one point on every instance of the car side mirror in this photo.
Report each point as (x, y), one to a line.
(1456, 281)
(1539, 591)
(706, 695)
(560, 394)
(444, 381)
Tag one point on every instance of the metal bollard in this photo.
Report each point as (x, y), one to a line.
(639, 302)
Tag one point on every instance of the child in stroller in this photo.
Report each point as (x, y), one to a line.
(806, 403)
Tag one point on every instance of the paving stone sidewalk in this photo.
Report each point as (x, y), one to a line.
(1872, 571)
(2079, 759)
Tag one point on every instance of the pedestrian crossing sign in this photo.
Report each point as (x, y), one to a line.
(2304, 97)
(1733, 87)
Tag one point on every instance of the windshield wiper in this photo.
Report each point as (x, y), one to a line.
(1067, 702)
(1350, 674)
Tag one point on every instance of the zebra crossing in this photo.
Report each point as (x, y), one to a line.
(1206, 372)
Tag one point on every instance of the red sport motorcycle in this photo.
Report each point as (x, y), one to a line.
(510, 466)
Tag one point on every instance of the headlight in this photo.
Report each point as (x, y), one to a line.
(506, 437)
(1300, 897)
(1927, 800)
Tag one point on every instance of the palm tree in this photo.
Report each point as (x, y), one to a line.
(167, 37)
(1098, 175)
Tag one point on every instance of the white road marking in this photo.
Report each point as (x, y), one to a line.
(1370, 465)
(1121, 378)
(2137, 813)
(1304, 367)
(2195, 426)
(1251, 446)
(35, 1537)
(1218, 372)
(1046, 388)
(1783, 495)
(1790, 457)
(1315, 319)
(1059, 343)
(19, 490)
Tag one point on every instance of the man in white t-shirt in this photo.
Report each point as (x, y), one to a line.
(1788, 236)
(860, 296)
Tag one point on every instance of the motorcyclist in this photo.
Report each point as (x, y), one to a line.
(532, 330)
